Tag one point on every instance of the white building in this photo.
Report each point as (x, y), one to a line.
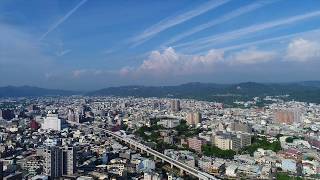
(169, 123)
(151, 176)
(52, 122)
(231, 170)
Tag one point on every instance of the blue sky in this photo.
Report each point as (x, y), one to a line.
(91, 44)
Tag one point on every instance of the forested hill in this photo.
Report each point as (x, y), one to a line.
(308, 91)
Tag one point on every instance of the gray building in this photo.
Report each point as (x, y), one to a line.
(238, 126)
(1, 170)
(59, 161)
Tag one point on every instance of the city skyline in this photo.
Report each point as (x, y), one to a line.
(88, 44)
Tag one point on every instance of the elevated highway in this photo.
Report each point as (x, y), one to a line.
(183, 167)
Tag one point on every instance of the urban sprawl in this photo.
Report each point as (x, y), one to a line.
(86, 138)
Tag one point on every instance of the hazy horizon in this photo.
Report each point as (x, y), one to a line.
(160, 85)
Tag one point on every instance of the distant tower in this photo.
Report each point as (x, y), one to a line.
(238, 126)
(288, 116)
(175, 105)
(71, 115)
(193, 118)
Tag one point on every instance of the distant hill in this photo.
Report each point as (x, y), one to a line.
(310, 83)
(308, 91)
(29, 91)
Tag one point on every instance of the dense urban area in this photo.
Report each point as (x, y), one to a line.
(78, 137)
(159, 89)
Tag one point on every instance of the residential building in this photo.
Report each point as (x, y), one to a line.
(175, 105)
(193, 118)
(196, 143)
(59, 161)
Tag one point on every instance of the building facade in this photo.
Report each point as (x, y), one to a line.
(59, 161)
(175, 105)
(193, 118)
(52, 122)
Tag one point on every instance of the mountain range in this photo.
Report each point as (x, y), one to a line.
(308, 91)
(30, 91)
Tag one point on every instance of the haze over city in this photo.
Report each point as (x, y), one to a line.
(89, 44)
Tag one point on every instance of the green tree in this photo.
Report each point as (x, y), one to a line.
(209, 150)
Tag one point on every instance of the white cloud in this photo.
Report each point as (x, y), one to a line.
(302, 50)
(169, 62)
(205, 63)
(173, 21)
(125, 71)
(161, 62)
(252, 56)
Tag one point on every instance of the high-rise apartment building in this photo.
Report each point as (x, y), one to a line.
(222, 141)
(238, 126)
(193, 118)
(196, 143)
(69, 161)
(287, 116)
(71, 115)
(175, 105)
(59, 161)
(1, 170)
(53, 162)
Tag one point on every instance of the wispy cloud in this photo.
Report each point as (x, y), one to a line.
(313, 33)
(229, 16)
(63, 52)
(208, 42)
(64, 18)
(173, 21)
